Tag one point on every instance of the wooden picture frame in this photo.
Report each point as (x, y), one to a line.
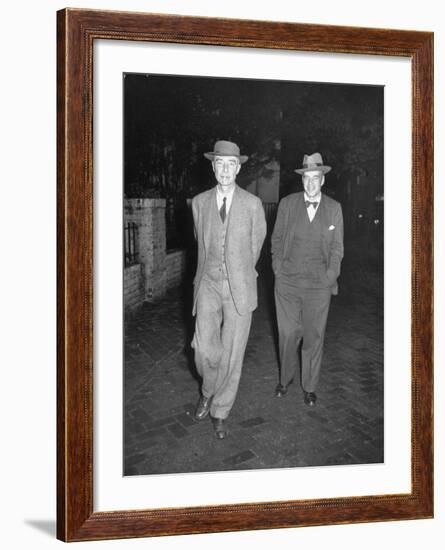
(77, 31)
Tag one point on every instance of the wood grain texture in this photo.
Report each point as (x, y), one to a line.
(76, 31)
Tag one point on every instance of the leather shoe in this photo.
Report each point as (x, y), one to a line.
(280, 390)
(203, 407)
(310, 398)
(220, 427)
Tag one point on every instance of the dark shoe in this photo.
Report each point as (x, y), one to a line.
(203, 407)
(220, 427)
(280, 390)
(310, 398)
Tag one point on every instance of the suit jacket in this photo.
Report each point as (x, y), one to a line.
(246, 230)
(331, 219)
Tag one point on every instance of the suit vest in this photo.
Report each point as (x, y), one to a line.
(215, 266)
(305, 261)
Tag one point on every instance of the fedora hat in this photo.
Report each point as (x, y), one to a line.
(313, 162)
(225, 149)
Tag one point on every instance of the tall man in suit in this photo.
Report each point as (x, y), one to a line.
(307, 250)
(230, 228)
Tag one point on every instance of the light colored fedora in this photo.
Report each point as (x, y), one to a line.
(225, 149)
(313, 162)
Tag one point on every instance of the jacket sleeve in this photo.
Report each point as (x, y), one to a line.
(277, 239)
(259, 230)
(195, 217)
(336, 250)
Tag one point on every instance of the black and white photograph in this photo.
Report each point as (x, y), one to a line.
(253, 230)
(222, 227)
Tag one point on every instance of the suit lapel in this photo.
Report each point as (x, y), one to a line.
(323, 211)
(294, 212)
(235, 218)
(300, 208)
(299, 213)
(208, 205)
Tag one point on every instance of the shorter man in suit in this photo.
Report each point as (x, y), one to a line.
(307, 250)
(230, 228)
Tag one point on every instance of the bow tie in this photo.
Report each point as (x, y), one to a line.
(311, 203)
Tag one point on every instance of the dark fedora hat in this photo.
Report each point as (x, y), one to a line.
(313, 162)
(225, 149)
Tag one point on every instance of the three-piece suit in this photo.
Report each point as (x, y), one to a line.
(306, 259)
(225, 291)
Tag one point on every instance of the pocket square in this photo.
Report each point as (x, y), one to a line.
(331, 227)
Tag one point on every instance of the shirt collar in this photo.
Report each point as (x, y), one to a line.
(314, 199)
(229, 195)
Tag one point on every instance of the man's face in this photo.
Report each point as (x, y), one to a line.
(226, 170)
(312, 182)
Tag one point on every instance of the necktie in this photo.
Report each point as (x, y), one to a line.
(310, 203)
(222, 210)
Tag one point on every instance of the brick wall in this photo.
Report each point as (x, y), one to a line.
(175, 264)
(149, 215)
(157, 270)
(133, 287)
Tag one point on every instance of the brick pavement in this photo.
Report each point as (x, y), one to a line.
(161, 390)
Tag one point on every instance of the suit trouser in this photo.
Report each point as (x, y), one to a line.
(219, 342)
(302, 315)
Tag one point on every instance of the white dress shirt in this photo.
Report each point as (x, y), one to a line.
(311, 211)
(220, 196)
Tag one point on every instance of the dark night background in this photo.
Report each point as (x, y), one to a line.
(170, 121)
